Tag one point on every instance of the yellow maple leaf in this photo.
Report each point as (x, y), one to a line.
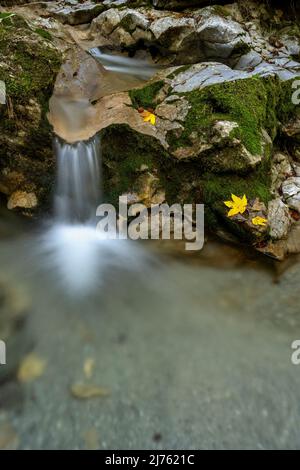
(237, 205)
(259, 221)
(149, 117)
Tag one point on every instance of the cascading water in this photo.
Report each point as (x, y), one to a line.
(80, 255)
(78, 189)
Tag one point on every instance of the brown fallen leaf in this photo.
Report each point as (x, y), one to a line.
(8, 437)
(258, 206)
(86, 391)
(91, 439)
(31, 367)
(88, 367)
(295, 215)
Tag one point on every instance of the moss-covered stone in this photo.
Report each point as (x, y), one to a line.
(28, 66)
(249, 102)
(145, 96)
(257, 106)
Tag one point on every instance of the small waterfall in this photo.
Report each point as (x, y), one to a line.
(79, 254)
(78, 189)
(140, 68)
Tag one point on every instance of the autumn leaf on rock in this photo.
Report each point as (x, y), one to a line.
(149, 117)
(237, 205)
(259, 221)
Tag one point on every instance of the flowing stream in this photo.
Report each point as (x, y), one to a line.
(139, 68)
(193, 355)
(78, 189)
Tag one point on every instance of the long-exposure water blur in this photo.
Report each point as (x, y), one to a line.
(114, 335)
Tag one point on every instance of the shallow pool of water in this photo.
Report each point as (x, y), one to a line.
(194, 355)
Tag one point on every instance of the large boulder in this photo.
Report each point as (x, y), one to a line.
(75, 13)
(215, 134)
(208, 33)
(29, 62)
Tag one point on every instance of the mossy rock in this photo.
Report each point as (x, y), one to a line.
(29, 63)
(258, 105)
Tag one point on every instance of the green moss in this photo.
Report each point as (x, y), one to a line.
(30, 65)
(145, 97)
(178, 70)
(218, 189)
(243, 101)
(286, 109)
(123, 166)
(221, 10)
(127, 24)
(4, 15)
(9, 19)
(44, 34)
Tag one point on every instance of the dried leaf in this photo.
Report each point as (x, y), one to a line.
(31, 367)
(88, 367)
(260, 221)
(91, 438)
(8, 437)
(295, 215)
(86, 391)
(258, 206)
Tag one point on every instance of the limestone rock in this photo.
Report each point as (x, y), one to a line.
(23, 200)
(178, 4)
(291, 192)
(2, 92)
(179, 39)
(292, 130)
(278, 219)
(281, 169)
(75, 13)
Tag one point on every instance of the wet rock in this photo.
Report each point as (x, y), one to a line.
(249, 61)
(28, 67)
(281, 169)
(180, 39)
(292, 130)
(73, 12)
(22, 200)
(291, 192)
(278, 219)
(220, 35)
(289, 38)
(75, 113)
(178, 4)
(211, 138)
(280, 249)
(2, 92)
